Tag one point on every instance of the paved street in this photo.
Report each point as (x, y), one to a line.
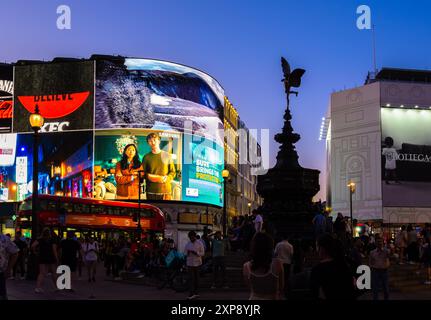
(107, 289)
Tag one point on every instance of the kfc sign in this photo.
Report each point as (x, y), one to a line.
(54, 106)
(63, 92)
(55, 126)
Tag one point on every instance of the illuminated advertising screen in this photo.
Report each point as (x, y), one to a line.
(65, 166)
(144, 93)
(126, 161)
(202, 171)
(7, 149)
(63, 93)
(406, 157)
(6, 95)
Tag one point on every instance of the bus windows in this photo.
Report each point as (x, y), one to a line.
(81, 208)
(97, 209)
(51, 206)
(67, 206)
(42, 204)
(113, 211)
(25, 205)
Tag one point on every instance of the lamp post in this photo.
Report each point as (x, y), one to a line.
(249, 208)
(36, 123)
(225, 174)
(139, 227)
(352, 189)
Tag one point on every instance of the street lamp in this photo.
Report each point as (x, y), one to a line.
(352, 189)
(225, 174)
(249, 208)
(36, 122)
(139, 227)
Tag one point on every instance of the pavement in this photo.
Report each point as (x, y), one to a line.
(105, 288)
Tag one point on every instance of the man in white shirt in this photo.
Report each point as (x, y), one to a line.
(258, 221)
(391, 155)
(194, 252)
(284, 252)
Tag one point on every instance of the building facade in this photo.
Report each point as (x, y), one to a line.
(378, 137)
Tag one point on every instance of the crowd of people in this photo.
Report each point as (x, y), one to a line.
(267, 272)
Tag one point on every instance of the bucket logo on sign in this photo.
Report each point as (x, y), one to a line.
(54, 105)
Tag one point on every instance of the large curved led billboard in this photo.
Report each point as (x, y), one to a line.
(139, 98)
(144, 93)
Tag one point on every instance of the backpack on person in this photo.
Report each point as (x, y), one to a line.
(91, 253)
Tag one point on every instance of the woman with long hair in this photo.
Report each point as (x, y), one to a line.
(127, 173)
(263, 274)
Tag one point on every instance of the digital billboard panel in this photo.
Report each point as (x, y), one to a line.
(202, 171)
(406, 157)
(121, 156)
(64, 93)
(145, 93)
(6, 95)
(65, 165)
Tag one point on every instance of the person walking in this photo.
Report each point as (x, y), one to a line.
(22, 254)
(379, 264)
(90, 254)
(401, 243)
(263, 274)
(48, 258)
(340, 228)
(332, 278)
(69, 250)
(319, 224)
(412, 245)
(219, 247)
(8, 255)
(284, 252)
(258, 221)
(194, 252)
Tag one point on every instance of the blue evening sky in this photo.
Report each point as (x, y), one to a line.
(239, 42)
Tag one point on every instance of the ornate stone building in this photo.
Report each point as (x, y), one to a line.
(397, 102)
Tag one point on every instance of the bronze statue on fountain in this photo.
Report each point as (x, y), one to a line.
(288, 188)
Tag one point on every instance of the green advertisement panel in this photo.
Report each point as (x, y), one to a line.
(203, 163)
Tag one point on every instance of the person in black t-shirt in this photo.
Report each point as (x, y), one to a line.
(331, 279)
(47, 257)
(69, 251)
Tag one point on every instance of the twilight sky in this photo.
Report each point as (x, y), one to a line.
(239, 43)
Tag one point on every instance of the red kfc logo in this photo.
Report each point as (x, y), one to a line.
(55, 105)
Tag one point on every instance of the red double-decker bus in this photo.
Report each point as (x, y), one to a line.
(99, 217)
